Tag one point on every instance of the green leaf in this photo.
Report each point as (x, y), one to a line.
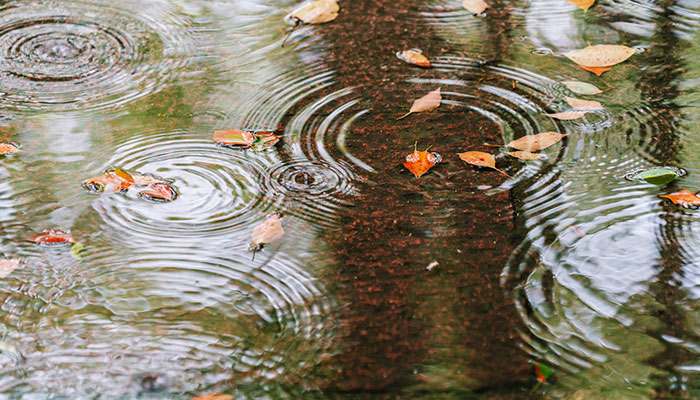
(581, 87)
(545, 370)
(76, 249)
(657, 176)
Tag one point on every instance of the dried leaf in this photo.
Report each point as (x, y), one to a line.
(526, 155)
(428, 102)
(567, 115)
(317, 11)
(585, 105)
(582, 87)
(536, 142)
(582, 4)
(596, 70)
(146, 179)
(480, 159)
(112, 181)
(264, 140)
(414, 56)
(159, 192)
(234, 137)
(685, 198)
(268, 231)
(475, 6)
(52, 236)
(214, 397)
(602, 55)
(419, 162)
(8, 265)
(8, 148)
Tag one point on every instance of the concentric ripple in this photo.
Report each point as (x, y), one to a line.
(84, 55)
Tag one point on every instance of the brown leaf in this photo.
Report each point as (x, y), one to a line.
(526, 155)
(317, 11)
(685, 198)
(8, 265)
(536, 142)
(414, 57)
(567, 115)
(8, 148)
(111, 182)
(480, 159)
(428, 102)
(219, 396)
(419, 162)
(582, 4)
(268, 231)
(51, 236)
(596, 70)
(584, 105)
(602, 55)
(475, 6)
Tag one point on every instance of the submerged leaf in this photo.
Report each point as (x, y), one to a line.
(685, 198)
(657, 176)
(585, 105)
(428, 102)
(8, 148)
(317, 11)
(475, 6)
(8, 265)
(602, 55)
(536, 142)
(269, 231)
(567, 115)
(419, 162)
(264, 140)
(112, 181)
(526, 155)
(596, 70)
(480, 159)
(76, 250)
(51, 236)
(159, 192)
(582, 4)
(414, 56)
(582, 87)
(234, 137)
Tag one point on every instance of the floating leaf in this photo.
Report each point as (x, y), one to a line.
(51, 236)
(543, 372)
(584, 105)
(414, 56)
(264, 140)
(234, 137)
(317, 11)
(159, 192)
(601, 55)
(428, 102)
(596, 70)
(8, 148)
(536, 142)
(218, 396)
(268, 231)
(8, 265)
(475, 6)
(419, 162)
(480, 159)
(112, 181)
(76, 250)
(567, 115)
(526, 155)
(685, 198)
(582, 4)
(146, 179)
(582, 87)
(657, 176)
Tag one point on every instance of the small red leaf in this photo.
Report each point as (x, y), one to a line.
(419, 162)
(51, 236)
(159, 192)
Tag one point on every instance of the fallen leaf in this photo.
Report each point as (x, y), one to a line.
(146, 179)
(480, 159)
(419, 162)
(582, 87)
(234, 137)
(543, 372)
(317, 11)
(585, 105)
(51, 236)
(582, 4)
(112, 181)
(159, 192)
(475, 6)
(264, 140)
(567, 115)
(219, 396)
(8, 265)
(76, 250)
(526, 155)
(596, 70)
(8, 148)
(414, 56)
(657, 176)
(685, 198)
(428, 102)
(269, 231)
(601, 55)
(536, 142)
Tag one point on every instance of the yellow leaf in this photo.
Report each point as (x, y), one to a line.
(428, 102)
(480, 159)
(584, 105)
(602, 55)
(536, 142)
(582, 4)
(317, 11)
(475, 6)
(567, 115)
(526, 155)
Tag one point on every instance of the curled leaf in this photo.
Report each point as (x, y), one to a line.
(112, 181)
(582, 87)
(602, 55)
(567, 115)
(684, 198)
(234, 137)
(317, 11)
(51, 236)
(8, 265)
(428, 102)
(159, 192)
(596, 70)
(475, 6)
(584, 105)
(269, 231)
(582, 4)
(526, 155)
(480, 159)
(8, 148)
(536, 142)
(414, 56)
(419, 162)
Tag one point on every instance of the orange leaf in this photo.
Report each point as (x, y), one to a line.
(584, 105)
(111, 182)
(415, 57)
(219, 396)
(536, 142)
(52, 236)
(480, 159)
(7, 266)
(596, 70)
(419, 162)
(685, 198)
(567, 115)
(428, 102)
(268, 231)
(8, 148)
(159, 192)
(234, 137)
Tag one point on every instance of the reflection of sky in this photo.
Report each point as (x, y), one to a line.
(551, 24)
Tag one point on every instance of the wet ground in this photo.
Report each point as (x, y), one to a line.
(453, 286)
